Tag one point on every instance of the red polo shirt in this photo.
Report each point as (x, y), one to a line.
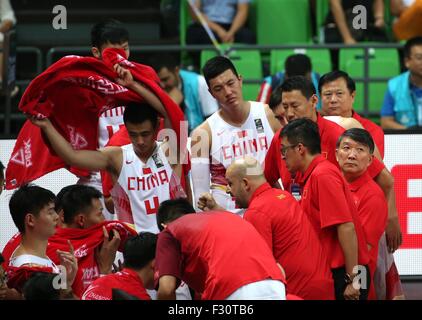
(373, 211)
(280, 220)
(329, 132)
(328, 202)
(376, 131)
(126, 280)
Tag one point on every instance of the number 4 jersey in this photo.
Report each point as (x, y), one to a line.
(141, 187)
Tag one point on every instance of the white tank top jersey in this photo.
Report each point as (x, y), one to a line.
(109, 123)
(229, 143)
(26, 259)
(141, 187)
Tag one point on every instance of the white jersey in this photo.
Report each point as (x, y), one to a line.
(229, 143)
(26, 259)
(141, 187)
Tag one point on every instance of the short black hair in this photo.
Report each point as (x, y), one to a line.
(297, 65)
(78, 199)
(59, 197)
(139, 250)
(333, 76)
(359, 135)
(170, 210)
(108, 31)
(1, 258)
(216, 66)
(275, 98)
(303, 131)
(28, 199)
(412, 42)
(137, 113)
(300, 83)
(163, 60)
(40, 287)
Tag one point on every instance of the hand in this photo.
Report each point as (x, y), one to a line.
(106, 252)
(379, 22)
(118, 267)
(206, 202)
(125, 76)
(228, 37)
(9, 294)
(349, 40)
(39, 120)
(350, 293)
(69, 261)
(393, 234)
(222, 34)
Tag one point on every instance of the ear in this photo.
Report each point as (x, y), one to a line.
(240, 80)
(80, 220)
(353, 95)
(407, 62)
(246, 184)
(30, 220)
(96, 52)
(371, 158)
(337, 154)
(314, 101)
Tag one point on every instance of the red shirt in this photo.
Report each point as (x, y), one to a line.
(328, 202)
(280, 220)
(329, 133)
(214, 253)
(126, 280)
(376, 131)
(373, 211)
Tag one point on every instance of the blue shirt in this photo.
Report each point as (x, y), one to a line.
(222, 11)
(388, 105)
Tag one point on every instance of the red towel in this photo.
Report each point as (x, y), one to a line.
(73, 93)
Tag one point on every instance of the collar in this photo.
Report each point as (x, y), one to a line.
(360, 181)
(356, 116)
(261, 189)
(321, 123)
(133, 274)
(316, 161)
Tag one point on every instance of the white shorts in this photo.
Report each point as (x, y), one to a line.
(260, 290)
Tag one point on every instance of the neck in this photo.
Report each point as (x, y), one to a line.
(144, 157)
(347, 114)
(236, 116)
(34, 246)
(143, 275)
(416, 80)
(350, 177)
(71, 225)
(307, 160)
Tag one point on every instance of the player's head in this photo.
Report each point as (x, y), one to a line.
(58, 203)
(170, 210)
(141, 122)
(139, 253)
(276, 106)
(167, 68)
(413, 55)
(82, 207)
(300, 139)
(109, 34)
(354, 152)
(298, 65)
(224, 83)
(337, 90)
(32, 210)
(40, 286)
(243, 177)
(299, 99)
(1, 177)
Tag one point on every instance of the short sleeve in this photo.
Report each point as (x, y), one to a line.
(387, 109)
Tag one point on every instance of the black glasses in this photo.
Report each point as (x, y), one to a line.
(285, 148)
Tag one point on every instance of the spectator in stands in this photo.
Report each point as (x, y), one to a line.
(7, 21)
(339, 22)
(40, 287)
(402, 106)
(188, 89)
(408, 15)
(295, 65)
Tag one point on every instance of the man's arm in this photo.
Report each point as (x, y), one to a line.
(238, 22)
(390, 123)
(274, 123)
(340, 20)
(167, 288)
(109, 159)
(348, 241)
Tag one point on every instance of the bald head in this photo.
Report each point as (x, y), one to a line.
(246, 167)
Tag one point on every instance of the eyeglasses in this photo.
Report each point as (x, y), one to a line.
(285, 148)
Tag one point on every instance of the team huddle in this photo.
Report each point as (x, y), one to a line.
(275, 202)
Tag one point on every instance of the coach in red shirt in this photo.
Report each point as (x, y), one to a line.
(355, 153)
(138, 274)
(217, 254)
(329, 205)
(280, 220)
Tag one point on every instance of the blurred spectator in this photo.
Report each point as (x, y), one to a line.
(188, 89)
(409, 18)
(339, 22)
(295, 65)
(226, 18)
(7, 21)
(402, 106)
(40, 287)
